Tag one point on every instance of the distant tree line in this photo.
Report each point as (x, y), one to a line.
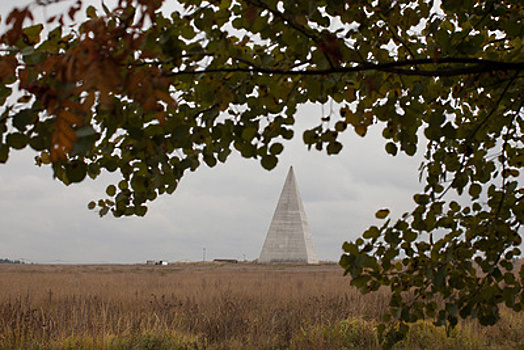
(8, 261)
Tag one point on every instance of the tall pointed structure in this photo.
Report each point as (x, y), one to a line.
(289, 237)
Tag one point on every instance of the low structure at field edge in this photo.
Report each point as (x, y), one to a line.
(289, 237)
(230, 261)
(155, 262)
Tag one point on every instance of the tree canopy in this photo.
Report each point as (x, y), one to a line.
(151, 94)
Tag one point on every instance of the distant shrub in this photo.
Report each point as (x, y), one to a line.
(8, 261)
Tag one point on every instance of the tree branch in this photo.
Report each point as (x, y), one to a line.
(471, 66)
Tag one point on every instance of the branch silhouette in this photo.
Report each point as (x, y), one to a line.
(406, 67)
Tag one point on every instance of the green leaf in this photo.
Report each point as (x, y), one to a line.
(103, 211)
(91, 12)
(85, 131)
(123, 185)
(4, 153)
(269, 161)
(111, 190)
(372, 232)
(391, 148)
(141, 210)
(38, 143)
(474, 190)
(106, 9)
(350, 248)
(24, 118)
(340, 126)
(210, 160)
(249, 133)
(93, 170)
(187, 32)
(334, 147)
(32, 33)
(421, 199)
(409, 236)
(276, 149)
(382, 213)
(439, 279)
(76, 171)
(17, 140)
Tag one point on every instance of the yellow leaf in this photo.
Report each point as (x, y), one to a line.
(45, 157)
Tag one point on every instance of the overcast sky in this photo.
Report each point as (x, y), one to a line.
(226, 210)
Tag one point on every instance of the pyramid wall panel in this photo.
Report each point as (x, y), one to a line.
(289, 237)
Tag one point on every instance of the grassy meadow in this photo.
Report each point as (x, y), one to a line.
(210, 306)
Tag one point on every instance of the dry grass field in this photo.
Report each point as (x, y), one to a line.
(209, 306)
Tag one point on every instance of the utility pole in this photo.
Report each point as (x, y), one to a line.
(204, 255)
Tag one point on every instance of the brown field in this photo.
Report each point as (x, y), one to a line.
(209, 306)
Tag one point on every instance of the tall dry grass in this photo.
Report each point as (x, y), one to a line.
(221, 306)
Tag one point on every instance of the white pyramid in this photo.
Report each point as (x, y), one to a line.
(289, 237)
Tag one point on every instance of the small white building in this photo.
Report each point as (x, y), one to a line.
(155, 262)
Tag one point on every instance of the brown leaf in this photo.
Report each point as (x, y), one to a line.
(7, 67)
(65, 131)
(70, 117)
(165, 97)
(89, 101)
(251, 14)
(330, 45)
